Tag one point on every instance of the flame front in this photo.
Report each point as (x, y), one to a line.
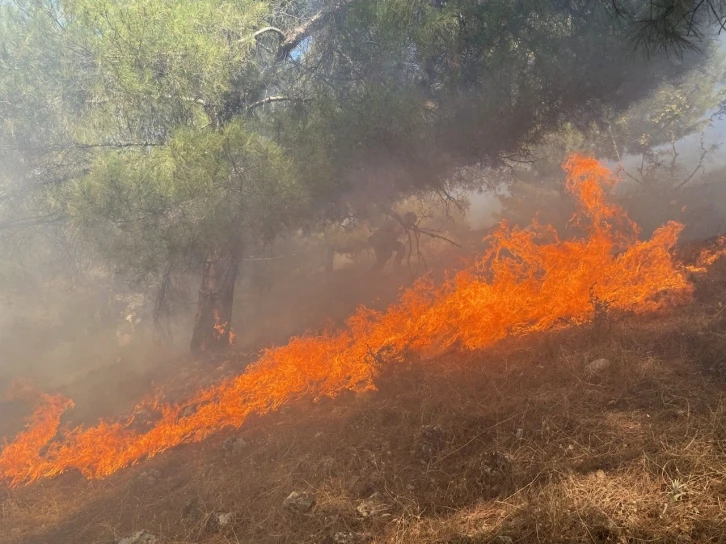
(528, 280)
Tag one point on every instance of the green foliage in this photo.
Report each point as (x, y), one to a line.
(420, 89)
(167, 132)
(183, 202)
(676, 109)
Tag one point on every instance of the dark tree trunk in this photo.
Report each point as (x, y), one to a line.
(213, 321)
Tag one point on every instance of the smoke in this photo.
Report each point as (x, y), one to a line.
(483, 211)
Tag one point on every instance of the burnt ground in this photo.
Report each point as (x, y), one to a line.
(516, 442)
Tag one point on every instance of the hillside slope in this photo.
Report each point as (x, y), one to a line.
(525, 441)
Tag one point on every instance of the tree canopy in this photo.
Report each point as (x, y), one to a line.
(170, 137)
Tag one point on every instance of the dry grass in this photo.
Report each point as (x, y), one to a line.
(518, 441)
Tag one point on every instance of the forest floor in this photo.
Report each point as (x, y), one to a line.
(524, 442)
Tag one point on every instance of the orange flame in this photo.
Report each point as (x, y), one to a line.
(220, 329)
(709, 255)
(528, 280)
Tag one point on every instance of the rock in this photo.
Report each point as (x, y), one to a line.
(346, 538)
(600, 475)
(371, 506)
(219, 521)
(234, 444)
(596, 367)
(298, 503)
(142, 537)
(225, 519)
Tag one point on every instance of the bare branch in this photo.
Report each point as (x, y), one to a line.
(315, 23)
(119, 145)
(622, 169)
(434, 235)
(30, 221)
(447, 198)
(267, 29)
(195, 100)
(268, 100)
(698, 167)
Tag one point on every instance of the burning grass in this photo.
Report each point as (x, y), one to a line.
(454, 446)
(517, 440)
(527, 281)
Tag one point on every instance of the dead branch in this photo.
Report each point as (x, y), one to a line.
(267, 29)
(427, 232)
(268, 100)
(315, 23)
(119, 145)
(447, 198)
(195, 100)
(698, 167)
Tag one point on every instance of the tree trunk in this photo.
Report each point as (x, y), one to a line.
(213, 321)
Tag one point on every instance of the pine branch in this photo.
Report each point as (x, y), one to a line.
(30, 221)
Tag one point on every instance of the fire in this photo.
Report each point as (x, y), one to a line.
(220, 328)
(709, 255)
(527, 280)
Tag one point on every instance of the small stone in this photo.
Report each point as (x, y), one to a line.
(225, 519)
(371, 506)
(319, 434)
(600, 475)
(346, 538)
(149, 477)
(598, 366)
(142, 537)
(520, 434)
(218, 521)
(299, 503)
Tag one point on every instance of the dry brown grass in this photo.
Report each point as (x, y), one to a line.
(528, 447)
